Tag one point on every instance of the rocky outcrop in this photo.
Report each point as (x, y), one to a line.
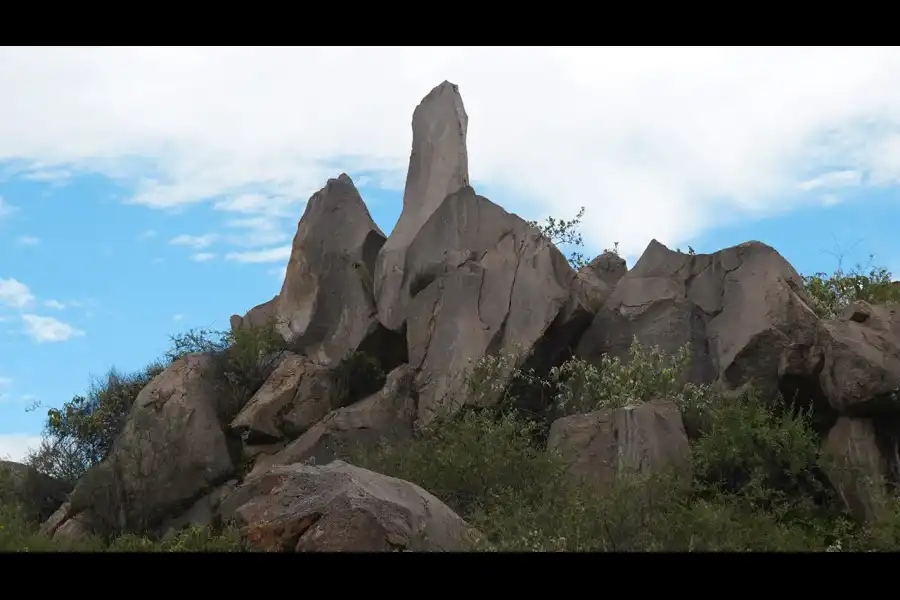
(603, 445)
(460, 279)
(171, 450)
(38, 494)
(438, 166)
(485, 282)
(387, 414)
(339, 507)
(739, 308)
(326, 307)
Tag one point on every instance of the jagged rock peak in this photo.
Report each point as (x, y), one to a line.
(438, 167)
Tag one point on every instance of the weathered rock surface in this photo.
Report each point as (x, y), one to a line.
(860, 359)
(340, 507)
(599, 277)
(295, 396)
(484, 281)
(39, 494)
(171, 450)
(603, 445)
(738, 308)
(389, 413)
(438, 166)
(858, 469)
(326, 307)
(258, 316)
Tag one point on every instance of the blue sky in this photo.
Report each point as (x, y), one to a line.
(144, 192)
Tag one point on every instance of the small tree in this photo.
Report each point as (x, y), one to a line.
(565, 233)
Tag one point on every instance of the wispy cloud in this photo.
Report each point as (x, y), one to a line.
(147, 234)
(28, 240)
(203, 257)
(282, 253)
(54, 304)
(6, 209)
(15, 294)
(833, 179)
(5, 382)
(194, 241)
(178, 317)
(48, 330)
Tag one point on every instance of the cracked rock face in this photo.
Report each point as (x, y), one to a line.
(341, 508)
(438, 167)
(738, 308)
(485, 282)
(601, 446)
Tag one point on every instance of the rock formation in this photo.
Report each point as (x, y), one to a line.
(438, 166)
(460, 279)
(326, 307)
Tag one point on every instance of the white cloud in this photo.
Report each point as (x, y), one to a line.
(146, 235)
(15, 446)
(5, 382)
(15, 294)
(203, 256)
(177, 317)
(833, 179)
(655, 142)
(48, 329)
(28, 240)
(194, 241)
(6, 209)
(55, 304)
(282, 253)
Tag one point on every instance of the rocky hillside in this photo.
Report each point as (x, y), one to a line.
(459, 385)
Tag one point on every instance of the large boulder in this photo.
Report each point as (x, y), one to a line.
(38, 494)
(171, 450)
(602, 446)
(738, 308)
(296, 395)
(326, 307)
(341, 508)
(484, 282)
(438, 166)
(858, 358)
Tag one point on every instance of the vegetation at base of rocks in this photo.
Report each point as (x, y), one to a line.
(831, 294)
(80, 433)
(18, 533)
(757, 482)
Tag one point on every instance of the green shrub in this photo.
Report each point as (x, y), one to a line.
(19, 534)
(831, 294)
(648, 374)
